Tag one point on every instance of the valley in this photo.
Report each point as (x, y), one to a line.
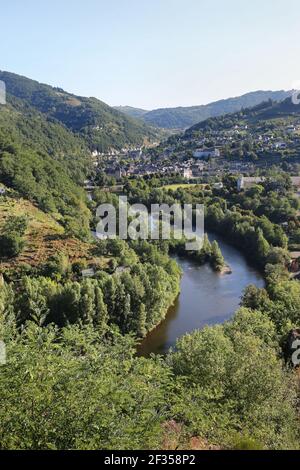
(88, 323)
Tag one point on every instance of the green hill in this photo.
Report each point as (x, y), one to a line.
(45, 163)
(269, 111)
(101, 126)
(22, 124)
(46, 136)
(184, 117)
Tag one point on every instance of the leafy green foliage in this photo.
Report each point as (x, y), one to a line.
(75, 389)
(26, 127)
(11, 241)
(234, 381)
(70, 390)
(135, 299)
(44, 181)
(11, 245)
(250, 230)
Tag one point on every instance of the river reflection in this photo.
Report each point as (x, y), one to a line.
(206, 298)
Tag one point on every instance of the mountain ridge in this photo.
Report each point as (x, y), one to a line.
(266, 111)
(101, 126)
(183, 117)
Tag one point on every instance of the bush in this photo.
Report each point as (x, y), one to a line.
(16, 224)
(57, 266)
(79, 266)
(11, 245)
(246, 443)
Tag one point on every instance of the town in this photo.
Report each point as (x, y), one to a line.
(241, 149)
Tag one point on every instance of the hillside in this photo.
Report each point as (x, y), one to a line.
(46, 136)
(271, 112)
(101, 126)
(22, 124)
(44, 237)
(136, 113)
(45, 163)
(183, 117)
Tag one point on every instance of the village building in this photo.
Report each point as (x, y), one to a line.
(246, 182)
(206, 153)
(187, 173)
(295, 261)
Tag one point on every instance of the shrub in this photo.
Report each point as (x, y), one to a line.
(11, 245)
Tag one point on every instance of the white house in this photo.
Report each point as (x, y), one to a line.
(246, 182)
(280, 145)
(205, 153)
(296, 182)
(88, 272)
(218, 185)
(187, 173)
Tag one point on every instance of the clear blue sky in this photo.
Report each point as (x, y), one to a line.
(153, 53)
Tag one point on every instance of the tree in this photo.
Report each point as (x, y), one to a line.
(263, 247)
(16, 224)
(141, 322)
(217, 260)
(278, 255)
(11, 245)
(57, 266)
(87, 302)
(70, 390)
(101, 314)
(11, 238)
(205, 252)
(233, 384)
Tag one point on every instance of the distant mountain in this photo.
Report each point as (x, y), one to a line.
(184, 117)
(136, 113)
(101, 126)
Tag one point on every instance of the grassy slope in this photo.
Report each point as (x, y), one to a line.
(174, 187)
(44, 236)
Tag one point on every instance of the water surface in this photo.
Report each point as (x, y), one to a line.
(206, 298)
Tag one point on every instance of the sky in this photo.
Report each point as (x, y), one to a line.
(153, 53)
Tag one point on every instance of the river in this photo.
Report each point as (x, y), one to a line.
(206, 298)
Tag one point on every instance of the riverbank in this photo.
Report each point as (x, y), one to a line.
(225, 270)
(206, 298)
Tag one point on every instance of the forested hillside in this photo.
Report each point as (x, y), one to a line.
(23, 125)
(44, 162)
(101, 126)
(266, 111)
